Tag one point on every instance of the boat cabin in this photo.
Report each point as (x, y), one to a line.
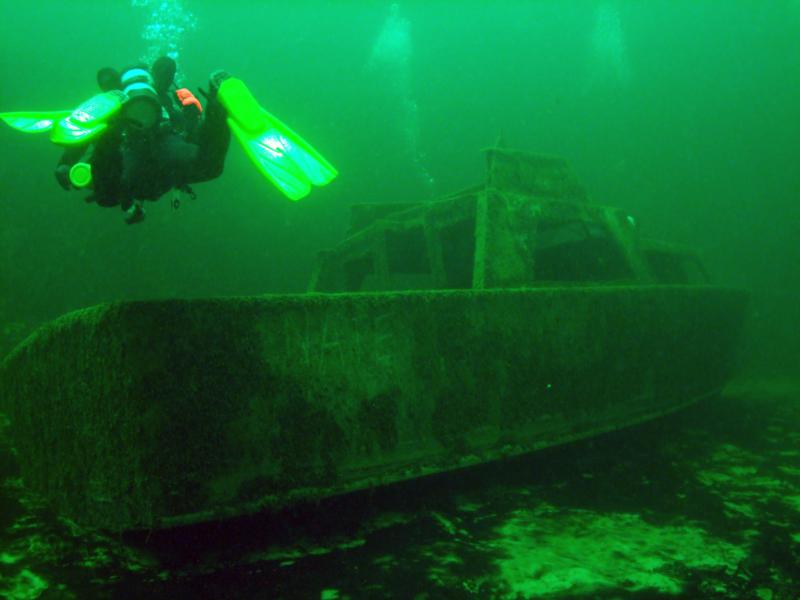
(531, 224)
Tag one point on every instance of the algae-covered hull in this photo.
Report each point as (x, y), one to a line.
(152, 414)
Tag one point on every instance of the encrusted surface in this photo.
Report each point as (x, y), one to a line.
(145, 414)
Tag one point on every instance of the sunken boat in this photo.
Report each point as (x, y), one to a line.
(493, 322)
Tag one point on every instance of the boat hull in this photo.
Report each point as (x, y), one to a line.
(140, 415)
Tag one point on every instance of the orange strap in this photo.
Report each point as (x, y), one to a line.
(187, 97)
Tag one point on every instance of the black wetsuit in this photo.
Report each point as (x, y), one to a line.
(152, 163)
(129, 164)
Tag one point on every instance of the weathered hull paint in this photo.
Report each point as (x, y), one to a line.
(153, 414)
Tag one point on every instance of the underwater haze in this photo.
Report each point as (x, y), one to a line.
(685, 113)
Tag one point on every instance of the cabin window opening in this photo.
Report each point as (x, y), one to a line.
(675, 268)
(407, 251)
(458, 252)
(575, 251)
(695, 270)
(356, 270)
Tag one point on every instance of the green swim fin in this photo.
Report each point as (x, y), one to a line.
(70, 127)
(278, 153)
(34, 122)
(89, 120)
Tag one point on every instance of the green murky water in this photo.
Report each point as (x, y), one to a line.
(684, 113)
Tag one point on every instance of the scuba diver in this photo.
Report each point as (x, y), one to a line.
(142, 136)
(156, 143)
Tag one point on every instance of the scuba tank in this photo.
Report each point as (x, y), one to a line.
(143, 108)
